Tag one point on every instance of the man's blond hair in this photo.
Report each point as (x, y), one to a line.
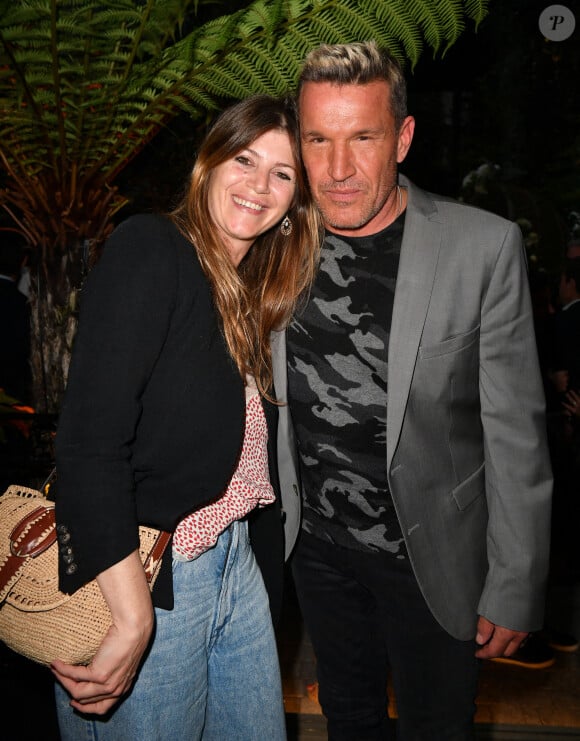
(357, 64)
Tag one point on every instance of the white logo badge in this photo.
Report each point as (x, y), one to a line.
(557, 22)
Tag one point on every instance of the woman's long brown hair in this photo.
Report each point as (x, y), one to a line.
(261, 294)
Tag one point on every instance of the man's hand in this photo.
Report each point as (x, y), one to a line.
(496, 641)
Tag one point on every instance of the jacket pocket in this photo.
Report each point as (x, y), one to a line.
(453, 344)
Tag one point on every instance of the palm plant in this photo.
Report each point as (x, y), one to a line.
(85, 85)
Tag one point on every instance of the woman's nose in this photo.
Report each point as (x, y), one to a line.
(260, 180)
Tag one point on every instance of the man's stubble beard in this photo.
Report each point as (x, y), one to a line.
(332, 217)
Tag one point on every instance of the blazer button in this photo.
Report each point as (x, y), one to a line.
(71, 569)
(63, 535)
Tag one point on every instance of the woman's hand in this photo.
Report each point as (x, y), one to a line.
(571, 403)
(96, 688)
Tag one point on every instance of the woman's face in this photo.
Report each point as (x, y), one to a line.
(252, 191)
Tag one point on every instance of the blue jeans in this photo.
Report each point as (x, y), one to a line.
(365, 615)
(212, 672)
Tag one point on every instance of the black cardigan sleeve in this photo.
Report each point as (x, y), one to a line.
(126, 309)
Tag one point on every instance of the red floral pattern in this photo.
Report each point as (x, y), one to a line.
(249, 488)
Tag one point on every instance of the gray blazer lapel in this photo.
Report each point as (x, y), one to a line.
(286, 446)
(417, 264)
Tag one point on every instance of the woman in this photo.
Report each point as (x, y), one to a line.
(162, 425)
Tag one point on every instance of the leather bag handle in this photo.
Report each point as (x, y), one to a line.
(34, 533)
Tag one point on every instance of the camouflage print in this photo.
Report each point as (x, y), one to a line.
(337, 384)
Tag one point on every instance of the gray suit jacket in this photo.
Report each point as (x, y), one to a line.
(467, 459)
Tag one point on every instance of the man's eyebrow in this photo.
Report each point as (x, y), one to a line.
(309, 132)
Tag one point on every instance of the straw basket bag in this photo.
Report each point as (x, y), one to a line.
(36, 619)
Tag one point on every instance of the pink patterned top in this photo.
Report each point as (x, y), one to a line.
(249, 488)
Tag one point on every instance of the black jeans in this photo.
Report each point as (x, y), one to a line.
(364, 614)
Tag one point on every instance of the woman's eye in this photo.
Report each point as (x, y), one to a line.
(283, 176)
(242, 159)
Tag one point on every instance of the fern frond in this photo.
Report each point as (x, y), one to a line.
(85, 84)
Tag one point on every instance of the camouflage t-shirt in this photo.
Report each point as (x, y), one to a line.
(337, 385)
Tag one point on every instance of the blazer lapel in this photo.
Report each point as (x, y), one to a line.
(417, 264)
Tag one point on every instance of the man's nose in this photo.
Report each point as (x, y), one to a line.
(341, 165)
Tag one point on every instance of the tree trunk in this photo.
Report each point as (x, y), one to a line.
(56, 278)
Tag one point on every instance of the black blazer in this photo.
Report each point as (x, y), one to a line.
(153, 416)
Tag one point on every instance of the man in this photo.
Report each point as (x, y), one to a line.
(417, 405)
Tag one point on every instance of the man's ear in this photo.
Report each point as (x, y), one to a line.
(405, 138)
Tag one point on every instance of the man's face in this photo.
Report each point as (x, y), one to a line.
(351, 150)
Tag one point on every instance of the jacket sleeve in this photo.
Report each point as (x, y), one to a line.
(517, 466)
(126, 309)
